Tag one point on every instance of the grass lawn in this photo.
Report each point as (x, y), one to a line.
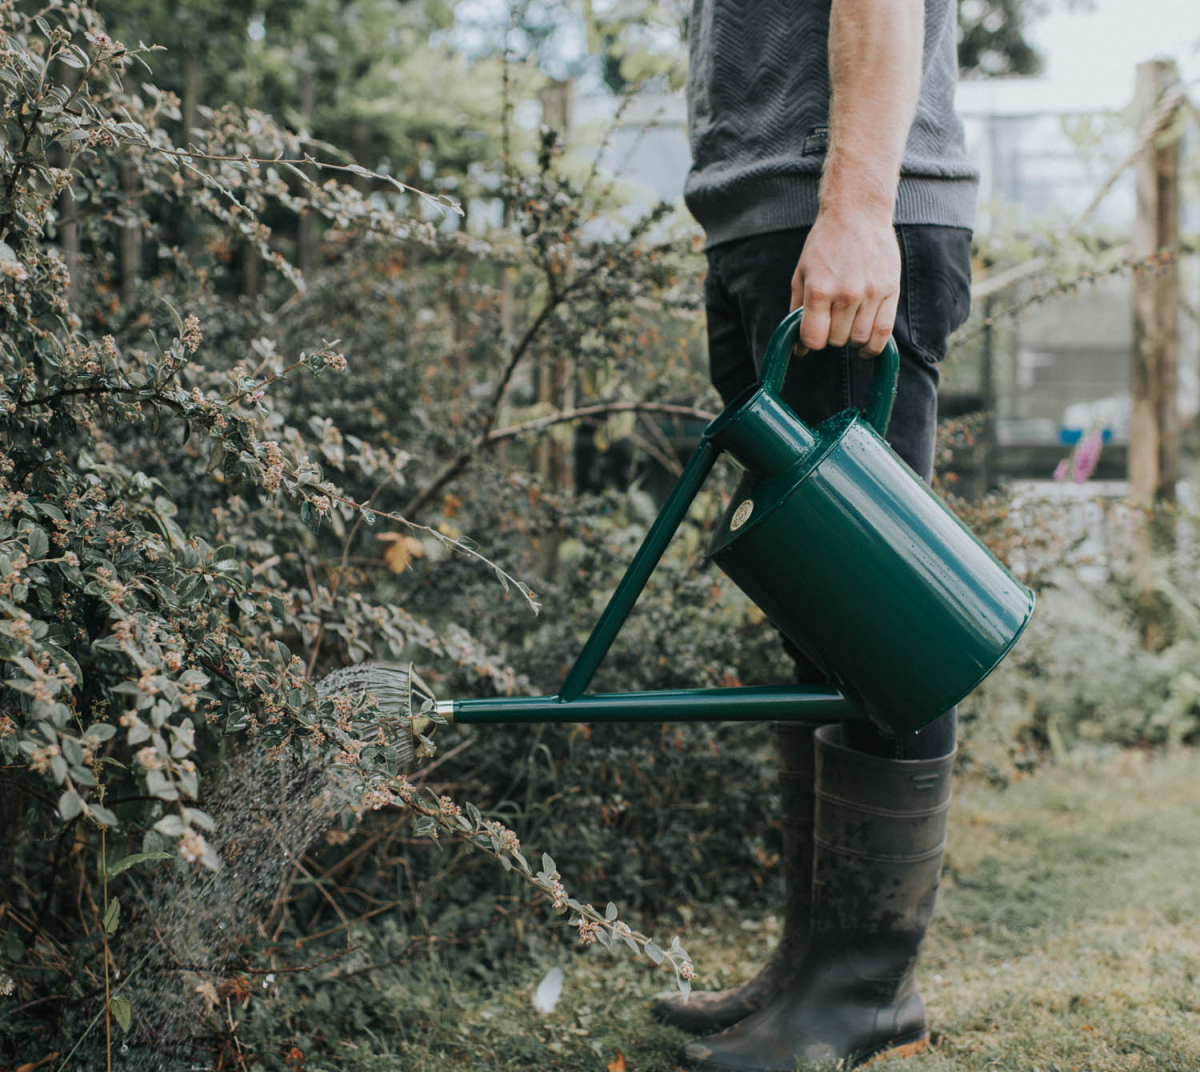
(1066, 938)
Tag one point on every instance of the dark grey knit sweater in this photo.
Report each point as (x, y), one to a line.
(758, 113)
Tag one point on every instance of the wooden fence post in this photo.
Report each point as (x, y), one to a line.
(131, 232)
(556, 374)
(307, 237)
(193, 87)
(68, 215)
(1154, 418)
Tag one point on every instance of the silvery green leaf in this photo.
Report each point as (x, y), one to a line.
(69, 805)
(122, 1011)
(112, 916)
(125, 863)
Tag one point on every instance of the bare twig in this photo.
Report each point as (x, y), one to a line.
(337, 581)
(1155, 124)
(600, 409)
(1157, 260)
(458, 464)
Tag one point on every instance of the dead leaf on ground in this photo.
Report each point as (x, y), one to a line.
(208, 992)
(617, 1064)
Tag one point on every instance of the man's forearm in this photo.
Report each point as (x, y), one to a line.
(875, 61)
(848, 275)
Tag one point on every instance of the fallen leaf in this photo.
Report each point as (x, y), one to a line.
(209, 993)
(617, 1064)
(549, 990)
(401, 550)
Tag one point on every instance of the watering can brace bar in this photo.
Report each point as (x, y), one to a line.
(848, 553)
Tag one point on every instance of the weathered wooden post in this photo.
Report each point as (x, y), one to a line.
(1154, 420)
(193, 87)
(306, 254)
(131, 232)
(556, 374)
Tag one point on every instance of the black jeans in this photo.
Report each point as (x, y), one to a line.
(747, 292)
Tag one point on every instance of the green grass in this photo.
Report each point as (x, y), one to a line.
(1066, 938)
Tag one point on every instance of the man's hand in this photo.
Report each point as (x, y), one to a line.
(848, 280)
(848, 277)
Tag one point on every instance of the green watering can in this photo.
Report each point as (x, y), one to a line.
(845, 549)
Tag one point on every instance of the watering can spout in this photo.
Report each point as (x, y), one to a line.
(762, 434)
(760, 431)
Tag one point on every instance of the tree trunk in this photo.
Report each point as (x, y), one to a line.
(68, 210)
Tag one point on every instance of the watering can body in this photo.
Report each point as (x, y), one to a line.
(843, 547)
(867, 572)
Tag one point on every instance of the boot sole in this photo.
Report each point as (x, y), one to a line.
(704, 1022)
(905, 1049)
(890, 1049)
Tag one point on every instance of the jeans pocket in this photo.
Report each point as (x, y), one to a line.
(935, 288)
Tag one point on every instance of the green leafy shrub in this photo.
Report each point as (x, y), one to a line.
(204, 506)
(170, 537)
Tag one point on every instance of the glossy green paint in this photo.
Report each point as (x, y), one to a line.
(869, 574)
(859, 563)
(844, 548)
(796, 703)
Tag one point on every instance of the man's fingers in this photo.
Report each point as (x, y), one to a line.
(814, 328)
(885, 321)
(797, 290)
(841, 320)
(864, 324)
(797, 301)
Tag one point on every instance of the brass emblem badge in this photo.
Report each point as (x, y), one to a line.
(741, 515)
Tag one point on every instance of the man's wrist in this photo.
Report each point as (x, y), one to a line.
(846, 190)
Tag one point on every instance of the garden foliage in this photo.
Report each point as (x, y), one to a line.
(222, 477)
(189, 520)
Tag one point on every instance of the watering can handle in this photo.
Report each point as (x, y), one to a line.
(883, 386)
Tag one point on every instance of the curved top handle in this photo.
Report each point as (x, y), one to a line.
(883, 386)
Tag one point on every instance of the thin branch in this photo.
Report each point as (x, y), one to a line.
(514, 360)
(1159, 259)
(600, 409)
(1154, 125)
(354, 169)
(337, 582)
(993, 284)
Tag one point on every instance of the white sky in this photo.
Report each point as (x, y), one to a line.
(1092, 54)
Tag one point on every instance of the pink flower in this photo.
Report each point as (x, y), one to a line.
(1087, 455)
(1060, 470)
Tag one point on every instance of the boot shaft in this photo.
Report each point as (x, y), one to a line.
(879, 838)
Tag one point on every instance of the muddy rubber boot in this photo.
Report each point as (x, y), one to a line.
(879, 832)
(705, 1012)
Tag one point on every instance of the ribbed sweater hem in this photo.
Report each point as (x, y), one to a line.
(780, 202)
